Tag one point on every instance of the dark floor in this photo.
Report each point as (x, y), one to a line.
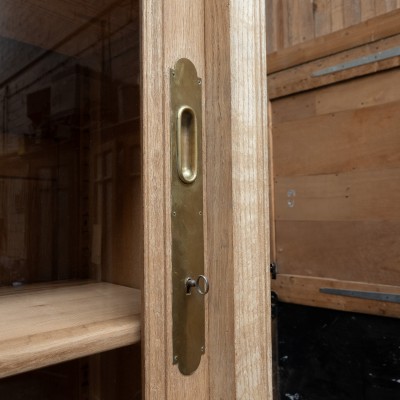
(332, 355)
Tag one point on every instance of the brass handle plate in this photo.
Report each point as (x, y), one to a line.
(188, 305)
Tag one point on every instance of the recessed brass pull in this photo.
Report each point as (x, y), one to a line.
(187, 144)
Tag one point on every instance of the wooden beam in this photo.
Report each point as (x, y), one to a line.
(365, 92)
(306, 291)
(368, 31)
(219, 201)
(154, 198)
(305, 77)
(238, 188)
(250, 230)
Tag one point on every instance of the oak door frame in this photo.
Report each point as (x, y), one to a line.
(226, 40)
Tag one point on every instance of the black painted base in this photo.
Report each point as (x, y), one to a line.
(333, 355)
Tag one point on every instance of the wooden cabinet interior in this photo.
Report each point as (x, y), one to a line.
(335, 173)
(70, 181)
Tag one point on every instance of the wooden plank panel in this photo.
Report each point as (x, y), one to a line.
(300, 21)
(301, 78)
(384, 6)
(52, 325)
(352, 196)
(322, 17)
(368, 31)
(337, 17)
(273, 26)
(338, 142)
(380, 7)
(365, 251)
(286, 34)
(351, 12)
(365, 92)
(305, 290)
(367, 9)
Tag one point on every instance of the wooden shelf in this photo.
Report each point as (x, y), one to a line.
(52, 324)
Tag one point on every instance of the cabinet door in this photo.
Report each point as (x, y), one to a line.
(87, 240)
(226, 43)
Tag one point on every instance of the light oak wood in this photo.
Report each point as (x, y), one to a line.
(52, 325)
(371, 30)
(305, 290)
(249, 124)
(237, 188)
(166, 38)
(154, 199)
(219, 202)
(300, 78)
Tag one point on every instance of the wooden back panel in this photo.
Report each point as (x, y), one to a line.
(291, 22)
(336, 169)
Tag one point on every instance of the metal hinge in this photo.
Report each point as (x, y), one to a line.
(273, 270)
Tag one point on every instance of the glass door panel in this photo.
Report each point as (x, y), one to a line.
(70, 176)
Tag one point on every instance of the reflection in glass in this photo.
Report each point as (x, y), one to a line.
(70, 142)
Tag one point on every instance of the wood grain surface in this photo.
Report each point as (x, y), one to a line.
(50, 325)
(306, 290)
(301, 78)
(365, 92)
(154, 198)
(353, 35)
(219, 201)
(336, 174)
(350, 140)
(249, 128)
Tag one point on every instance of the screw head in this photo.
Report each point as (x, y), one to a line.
(199, 81)
(175, 358)
(174, 213)
(202, 349)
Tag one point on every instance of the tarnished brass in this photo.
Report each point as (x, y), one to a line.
(187, 217)
(186, 140)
